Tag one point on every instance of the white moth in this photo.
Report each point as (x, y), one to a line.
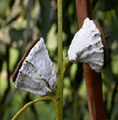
(36, 74)
(87, 47)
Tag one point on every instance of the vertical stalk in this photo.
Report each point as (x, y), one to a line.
(60, 56)
(59, 98)
(59, 91)
(93, 80)
(30, 6)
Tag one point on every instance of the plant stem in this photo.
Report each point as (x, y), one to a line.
(59, 91)
(93, 79)
(60, 52)
(59, 98)
(29, 104)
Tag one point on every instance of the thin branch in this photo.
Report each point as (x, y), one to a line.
(29, 104)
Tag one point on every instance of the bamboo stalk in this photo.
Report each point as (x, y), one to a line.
(93, 80)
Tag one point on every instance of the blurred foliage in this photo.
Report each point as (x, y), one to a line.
(22, 21)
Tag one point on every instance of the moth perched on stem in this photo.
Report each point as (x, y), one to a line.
(89, 46)
(36, 74)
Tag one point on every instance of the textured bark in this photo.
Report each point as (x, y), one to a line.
(93, 80)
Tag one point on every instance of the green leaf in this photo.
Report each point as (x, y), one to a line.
(115, 110)
(45, 16)
(28, 35)
(116, 11)
(4, 6)
(94, 2)
(106, 5)
(15, 34)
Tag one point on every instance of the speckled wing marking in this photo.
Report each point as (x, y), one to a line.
(103, 42)
(87, 47)
(37, 74)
